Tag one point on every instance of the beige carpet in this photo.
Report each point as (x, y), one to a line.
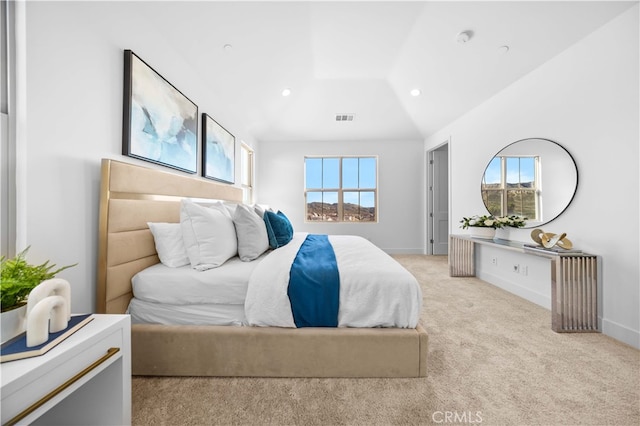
(493, 360)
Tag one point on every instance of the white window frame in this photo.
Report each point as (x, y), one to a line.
(340, 190)
(247, 182)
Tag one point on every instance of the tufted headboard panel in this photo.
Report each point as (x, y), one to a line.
(131, 196)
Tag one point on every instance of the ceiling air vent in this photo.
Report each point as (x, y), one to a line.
(344, 117)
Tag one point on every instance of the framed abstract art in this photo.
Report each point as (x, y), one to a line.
(218, 151)
(160, 124)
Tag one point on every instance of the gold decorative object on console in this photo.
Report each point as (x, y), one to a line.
(548, 240)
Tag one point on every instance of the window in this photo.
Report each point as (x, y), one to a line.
(510, 187)
(341, 189)
(246, 171)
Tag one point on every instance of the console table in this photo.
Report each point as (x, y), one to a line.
(574, 280)
(84, 380)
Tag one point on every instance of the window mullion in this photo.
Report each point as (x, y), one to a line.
(340, 195)
(503, 183)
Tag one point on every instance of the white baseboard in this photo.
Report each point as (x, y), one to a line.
(622, 333)
(518, 290)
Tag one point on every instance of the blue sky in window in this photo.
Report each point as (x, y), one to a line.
(492, 173)
(330, 172)
(324, 173)
(313, 172)
(518, 170)
(367, 199)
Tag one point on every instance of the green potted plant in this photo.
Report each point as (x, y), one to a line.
(17, 278)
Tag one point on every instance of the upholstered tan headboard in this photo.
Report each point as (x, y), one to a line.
(131, 196)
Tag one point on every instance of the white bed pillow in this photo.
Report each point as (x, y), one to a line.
(209, 235)
(251, 232)
(225, 208)
(230, 208)
(169, 244)
(259, 210)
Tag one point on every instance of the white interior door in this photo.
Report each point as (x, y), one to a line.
(439, 197)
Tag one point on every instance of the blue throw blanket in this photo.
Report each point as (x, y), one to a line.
(314, 284)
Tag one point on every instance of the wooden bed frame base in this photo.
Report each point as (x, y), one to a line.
(133, 195)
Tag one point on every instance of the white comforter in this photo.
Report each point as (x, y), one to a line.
(375, 290)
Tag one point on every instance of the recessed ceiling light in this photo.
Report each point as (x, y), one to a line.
(464, 36)
(286, 92)
(503, 49)
(415, 92)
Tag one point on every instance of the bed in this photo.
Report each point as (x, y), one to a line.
(130, 197)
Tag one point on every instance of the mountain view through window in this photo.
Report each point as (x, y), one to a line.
(341, 189)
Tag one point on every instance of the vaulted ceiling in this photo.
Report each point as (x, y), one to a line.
(364, 58)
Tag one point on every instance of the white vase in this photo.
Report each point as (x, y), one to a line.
(502, 234)
(482, 232)
(13, 322)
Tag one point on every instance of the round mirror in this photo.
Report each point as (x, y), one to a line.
(535, 178)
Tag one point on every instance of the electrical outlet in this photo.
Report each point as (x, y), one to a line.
(494, 261)
(524, 270)
(516, 268)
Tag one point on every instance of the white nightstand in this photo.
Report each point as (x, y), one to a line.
(85, 380)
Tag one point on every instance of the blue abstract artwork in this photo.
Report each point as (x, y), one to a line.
(219, 151)
(160, 123)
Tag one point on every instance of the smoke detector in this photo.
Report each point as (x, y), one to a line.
(464, 37)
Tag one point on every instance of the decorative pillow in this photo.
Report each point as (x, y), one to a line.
(230, 208)
(209, 235)
(251, 233)
(226, 209)
(259, 210)
(279, 229)
(169, 244)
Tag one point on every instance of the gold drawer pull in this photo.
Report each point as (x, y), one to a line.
(111, 352)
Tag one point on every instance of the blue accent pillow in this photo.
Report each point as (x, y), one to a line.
(279, 229)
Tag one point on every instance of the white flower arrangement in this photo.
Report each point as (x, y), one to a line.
(490, 221)
(514, 221)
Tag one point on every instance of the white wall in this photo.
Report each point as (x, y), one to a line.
(586, 99)
(400, 229)
(74, 118)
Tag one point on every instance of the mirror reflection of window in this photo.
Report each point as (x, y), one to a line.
(513, 181)
(492, 187)
(510, 186)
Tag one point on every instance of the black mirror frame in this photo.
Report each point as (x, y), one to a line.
(575, 190)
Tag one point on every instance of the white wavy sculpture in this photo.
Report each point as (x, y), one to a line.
(50, 300)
